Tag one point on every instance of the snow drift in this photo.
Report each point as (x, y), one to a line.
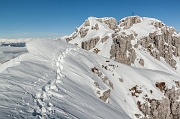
(57, 80)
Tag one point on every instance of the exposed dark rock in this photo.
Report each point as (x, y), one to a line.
(104, 39)
(83, 32)
(105, 95)
(162, 45)
(87, 45)
(129, 21)
(135, 91)
(167, 108)
(87, 23)
(96, 84)
(96, 27)
(141, 62)
(96, 50)
(120, 49)
(111, 22)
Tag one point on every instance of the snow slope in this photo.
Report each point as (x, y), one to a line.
(58, 80)
(141, 29)
(49, 82)
(103, 31)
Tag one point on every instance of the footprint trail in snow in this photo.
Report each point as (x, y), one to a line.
(44, 109)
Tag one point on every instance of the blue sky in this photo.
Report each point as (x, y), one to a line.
(54, 18)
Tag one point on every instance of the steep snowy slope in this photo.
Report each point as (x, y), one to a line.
(93, 29)
(137, 41)
(49, 81)
(58, 80)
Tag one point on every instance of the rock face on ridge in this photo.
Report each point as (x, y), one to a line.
(92, 42)
(141, 42)
(121, 46)
(129, 21)
(163, 44)
(167, 108)
(111, 22)
(122, 39)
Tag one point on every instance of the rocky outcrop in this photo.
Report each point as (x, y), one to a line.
(135, 91)
(158, 24)
(122, 49)
(141, 62)
(105, 95)
(73, 36)
(167, 108)
(129, 21)
(96, 27)
(104, 78)
(111, 22)
(176, 43)
(83, 32)
(104, 39)
(162, 44)
(87, 45)
(87, 23)
(96, 50)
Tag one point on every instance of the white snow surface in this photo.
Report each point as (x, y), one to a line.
(54, 80)
(103, 31)
(142, 29)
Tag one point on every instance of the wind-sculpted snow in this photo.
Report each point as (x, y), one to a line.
(51, 85)
(53, 79)
(44, 85)
(58, 80)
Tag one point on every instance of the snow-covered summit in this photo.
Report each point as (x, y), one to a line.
(134, 40)
(136, 73)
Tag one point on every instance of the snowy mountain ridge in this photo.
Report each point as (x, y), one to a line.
(135, 74)
(130, 41)
(58, 80)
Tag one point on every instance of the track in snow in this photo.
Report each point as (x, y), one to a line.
(44, 109)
